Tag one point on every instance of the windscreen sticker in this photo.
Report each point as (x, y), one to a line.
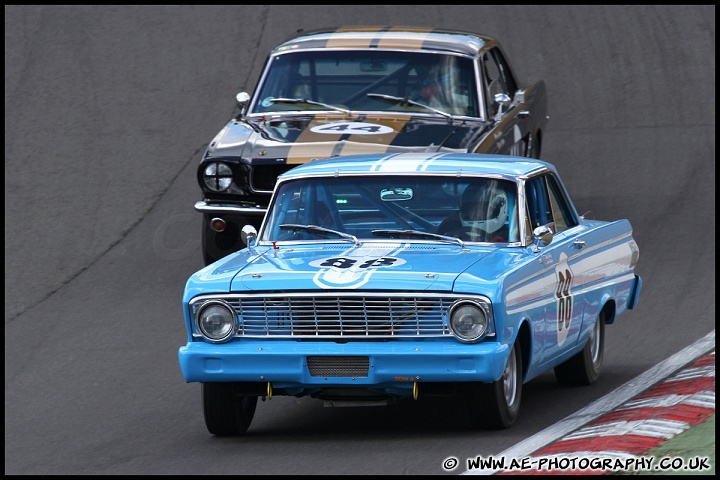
(353, 271)
(352, 128)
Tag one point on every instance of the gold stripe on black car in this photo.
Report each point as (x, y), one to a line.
(376, 143)
(310, 145)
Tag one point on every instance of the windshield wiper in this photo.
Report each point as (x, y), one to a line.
(418, 234)
(316, 229)
(310, 102)
(405, 101)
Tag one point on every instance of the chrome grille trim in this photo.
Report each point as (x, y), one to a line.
(328, 315)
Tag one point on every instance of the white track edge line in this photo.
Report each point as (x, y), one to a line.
(607, 403)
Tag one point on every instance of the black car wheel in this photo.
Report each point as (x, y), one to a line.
(584, 367)
(496, 405)
(227, 412)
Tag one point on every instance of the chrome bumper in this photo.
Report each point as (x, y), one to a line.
(220, 208)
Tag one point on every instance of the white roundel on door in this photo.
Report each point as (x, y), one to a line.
(564, 298)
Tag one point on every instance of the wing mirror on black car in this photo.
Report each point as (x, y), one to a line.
(242, 99)
(503, 100)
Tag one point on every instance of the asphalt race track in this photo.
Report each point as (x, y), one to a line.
(107, 110)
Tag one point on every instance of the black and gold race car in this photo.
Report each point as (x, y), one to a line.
(356, 90)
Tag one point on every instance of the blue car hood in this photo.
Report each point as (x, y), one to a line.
(369, 266)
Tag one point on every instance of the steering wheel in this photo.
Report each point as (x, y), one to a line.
(456, 229)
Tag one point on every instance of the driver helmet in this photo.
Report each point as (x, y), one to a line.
(484, 206)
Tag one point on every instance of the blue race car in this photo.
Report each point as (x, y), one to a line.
(386, 277)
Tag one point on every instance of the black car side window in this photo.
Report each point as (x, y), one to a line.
(498, 78)
(509, 82)
(494, 83)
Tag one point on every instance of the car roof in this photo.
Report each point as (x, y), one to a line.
(421, 164)
(388, 37)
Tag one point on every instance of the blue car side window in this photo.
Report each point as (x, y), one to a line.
(561, 213)
(538, 203)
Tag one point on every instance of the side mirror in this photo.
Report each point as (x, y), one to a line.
(242, 99)
(248, 234)
(504, 100)
(543, 236)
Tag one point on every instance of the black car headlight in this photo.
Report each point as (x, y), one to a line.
(217, 176)
(216, 321)
(469, 320)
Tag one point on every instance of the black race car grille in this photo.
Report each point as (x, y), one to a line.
(338, 366)
(325, 315)
(264, 177)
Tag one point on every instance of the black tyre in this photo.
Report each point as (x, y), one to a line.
(584, 368)
(227, 412)
(496, 405)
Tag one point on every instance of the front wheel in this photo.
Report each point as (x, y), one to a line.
(496, 405)
(584, 367)
(227, 412)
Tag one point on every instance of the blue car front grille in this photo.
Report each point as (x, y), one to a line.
(345, 316)
(338, 366)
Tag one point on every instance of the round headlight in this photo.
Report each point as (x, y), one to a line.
(216, 321)
(217, 176)
(468, 321)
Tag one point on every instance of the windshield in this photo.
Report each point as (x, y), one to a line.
(375, 207)
(344, 79)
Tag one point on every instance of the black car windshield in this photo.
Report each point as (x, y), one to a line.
(344, 79)
(377, 207)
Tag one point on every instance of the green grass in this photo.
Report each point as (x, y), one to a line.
(687, 449)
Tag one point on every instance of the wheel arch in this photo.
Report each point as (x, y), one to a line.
(608, 311)
(524, 340)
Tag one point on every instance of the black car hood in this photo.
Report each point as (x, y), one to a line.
(296, 139)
